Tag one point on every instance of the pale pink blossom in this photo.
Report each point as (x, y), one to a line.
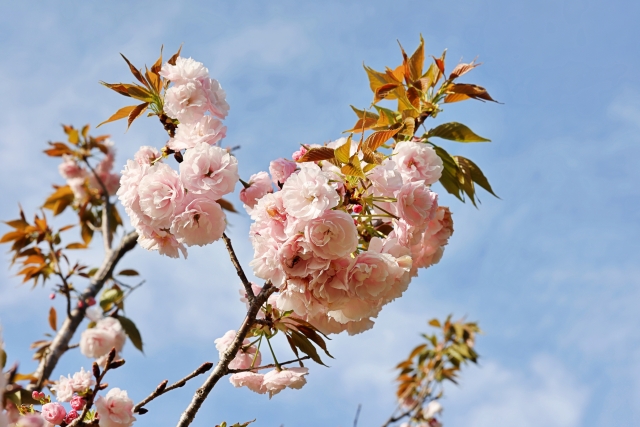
(271, 218)
(417, 162)
(429, 249)
(298, 154)
(209, 170)
(99, 340)
(416, 203)
(297, 259)
(31, 420)
(332, 235)
(187, 102)
(77, 402)
(434, 407)
(252, 380)
(308, 193)
(386, 179)
(216, 97)
(259, 186)
(246, 357)
(208, 130)
(159, 240)
(70, 168)
(115, 409)
(78, 187)
(281, 169)
(266, 264)
(63, 389)
(161, 193)
(275, 381)
(81, 381)
(202, 222)
(146, 154)
(132, 174)
(53, 412)
(184, 70)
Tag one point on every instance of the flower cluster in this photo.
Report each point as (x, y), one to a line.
(340, 249)
(171, 210)
(83, 181)
(248, 358)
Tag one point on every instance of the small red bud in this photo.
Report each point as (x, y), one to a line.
(357, 209)
(71, 415)
(91, 301)
(52, 296)
(80, 304)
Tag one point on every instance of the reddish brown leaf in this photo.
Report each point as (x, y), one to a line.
(461, 69)
(472, 91)
(383, 91)
(416, 62)
(53, 319)
(316, 154)
(120, 114)
(136, 73)
(226, 205)
(136, 112)
(376, 139)
(175, 56)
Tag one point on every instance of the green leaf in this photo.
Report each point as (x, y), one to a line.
(3, 359)
(449, 177)
(455, 131)
(305, 346)
(132, 332)
(128, 272)
(110, 297)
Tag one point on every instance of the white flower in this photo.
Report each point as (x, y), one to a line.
(208, 129)
(186, 69)
(115, 409)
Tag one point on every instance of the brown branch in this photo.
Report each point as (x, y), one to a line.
(234, 260)
(162, 387)
(222, 368)
(273, 365)
(60, 342)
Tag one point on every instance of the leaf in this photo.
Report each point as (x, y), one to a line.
(353, 168)
(111, 296)
(53, 319)
(136, 112)
(383, 91)
(76, 246)
(387, 116)
(120, 114)
(472, 91)
(59, 149)
(315, 337)
(87, 233)
(455, 97)
(376, 139)
(363, 124)
(305, 346)
(362, 113)
(59, 200)
(455, 131)
(476, 174)
(74, 136)
(121, 88)
(128, 272)
(172, 60)
(19, 224)
(132, 332)
(416, 62)
(136, 73)
(377, 79)
(435, 323)
(3, 359)
(343, 152)
(449, 177)
(440, 63)
(461, 69)
(138, 92)
(227, 205)
(11, 236)
(317, 154)
(157, 66)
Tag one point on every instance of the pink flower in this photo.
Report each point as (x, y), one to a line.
(63, 389)
(78, 403)
(386, 179)
(298, 154)
(308, 193)
(253, 381)
(259, 185)
(416, 203)
(162, 241)
(78, 188)
(53, 413)
(434, 407)
(99, 340)
(275, 381)
(186, 69)
(332, 235)
(216, 97)
(202, 222)
(145, 155)
(186, 102)
(115, 409)
(429, 249)
(71, 415)
(208, 130)
(247, 355)
(297, 259)
(281, 169)
(30, 420)
(209, 170)
(132, 174)
(417, 162)
(161, 193)
(71, 169)
(81, 381)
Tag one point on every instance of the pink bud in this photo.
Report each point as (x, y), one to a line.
(36, 395)
(54, 413)
(80, 304)
(77, 402)
(301, 152)
(91, 301)
(357, 209)
(52, 296)
(71, 415)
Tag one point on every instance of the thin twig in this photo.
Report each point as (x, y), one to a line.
(270, 366)
(222, 368)
(106, 221)
(162, 387)
(239, 270)
(355, 421)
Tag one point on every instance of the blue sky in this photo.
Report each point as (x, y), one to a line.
(550, 271)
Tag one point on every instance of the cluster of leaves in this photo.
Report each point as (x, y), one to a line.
(301, 335)
(417, 99)
(434, 362)
(82, 147)
(151, 93)
(224, 424)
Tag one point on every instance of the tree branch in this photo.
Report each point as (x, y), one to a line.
(234, 260)
(222, 368)
(60, 342)
(162, 387)
(273, 365)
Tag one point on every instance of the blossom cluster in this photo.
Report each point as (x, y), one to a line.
(82, 181)
(338, 251)
(170, 209)
(248, 358)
